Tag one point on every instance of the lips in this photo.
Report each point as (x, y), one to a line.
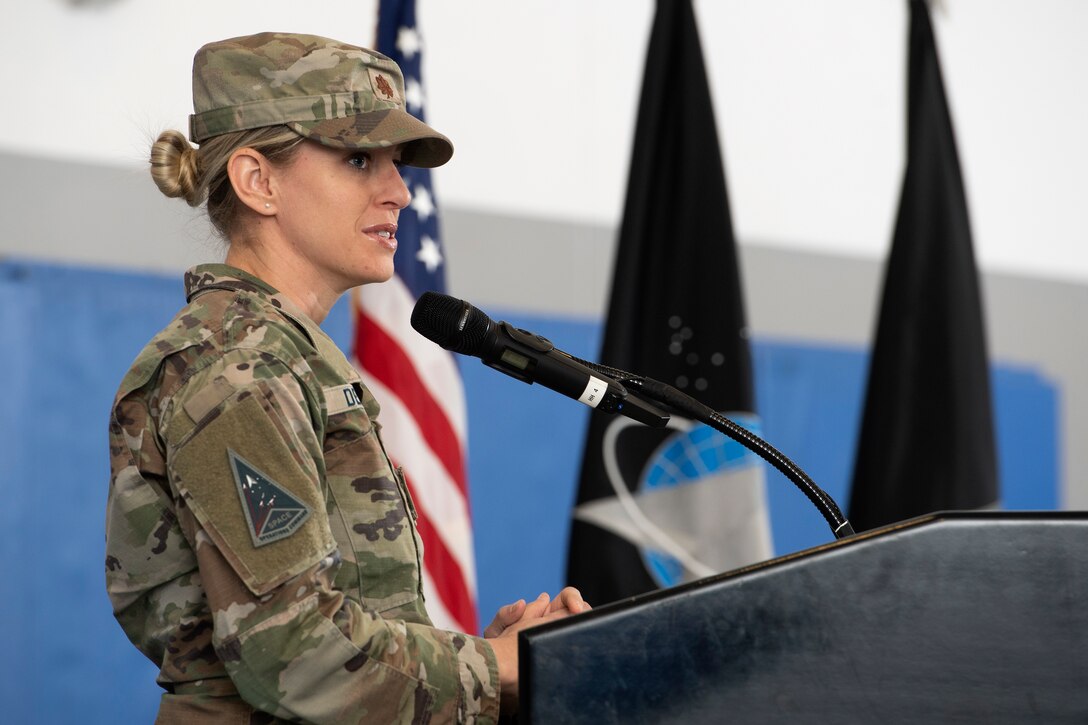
(386, 234)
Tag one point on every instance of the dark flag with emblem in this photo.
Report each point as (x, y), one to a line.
(416, 382)
(657, 507)
(927, 437)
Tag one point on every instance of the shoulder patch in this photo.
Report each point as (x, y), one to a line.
(271, 512)
(260, 526)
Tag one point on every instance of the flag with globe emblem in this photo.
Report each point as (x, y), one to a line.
(418, 383)
(658, 507)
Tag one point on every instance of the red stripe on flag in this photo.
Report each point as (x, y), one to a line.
(381, 356)
(449, 581)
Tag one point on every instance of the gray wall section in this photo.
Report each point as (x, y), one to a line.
(114, 217)
(102, 216)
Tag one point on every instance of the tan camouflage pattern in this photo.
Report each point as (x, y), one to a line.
(337, 94)
(326, 625)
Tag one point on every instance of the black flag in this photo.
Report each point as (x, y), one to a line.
(927, 437)
(676, 315)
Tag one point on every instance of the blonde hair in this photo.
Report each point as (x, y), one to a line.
(196, 175)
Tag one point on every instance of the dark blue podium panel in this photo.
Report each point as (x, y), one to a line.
(949, 618)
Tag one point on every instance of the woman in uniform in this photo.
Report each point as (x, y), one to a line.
(261, 549)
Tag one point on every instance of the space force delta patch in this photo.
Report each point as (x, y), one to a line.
(271, 512)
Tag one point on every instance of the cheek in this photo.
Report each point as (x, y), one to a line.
(346, 207)
(334, 213)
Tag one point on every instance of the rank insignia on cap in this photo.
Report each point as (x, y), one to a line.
(271, 512)
(384, 87)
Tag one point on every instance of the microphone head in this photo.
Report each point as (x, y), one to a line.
(452, 323)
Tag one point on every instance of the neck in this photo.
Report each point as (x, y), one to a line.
(289, 276)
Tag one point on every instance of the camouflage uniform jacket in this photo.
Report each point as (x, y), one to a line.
(260, 548)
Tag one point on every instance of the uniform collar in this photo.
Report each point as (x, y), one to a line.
(205, 277)
(223, 276)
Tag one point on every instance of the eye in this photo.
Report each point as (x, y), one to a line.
(360, 160)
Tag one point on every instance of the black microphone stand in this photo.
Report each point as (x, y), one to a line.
(681, 402)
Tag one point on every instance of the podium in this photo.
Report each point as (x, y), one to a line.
(946, 618)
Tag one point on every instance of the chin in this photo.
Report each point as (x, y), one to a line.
(376, 277)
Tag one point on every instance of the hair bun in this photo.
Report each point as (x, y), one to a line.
(174, 167)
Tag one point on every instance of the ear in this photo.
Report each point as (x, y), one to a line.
(250, 174)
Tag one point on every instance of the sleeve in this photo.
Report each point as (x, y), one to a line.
(248, 471)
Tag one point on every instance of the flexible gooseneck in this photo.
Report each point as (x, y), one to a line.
(667, 395)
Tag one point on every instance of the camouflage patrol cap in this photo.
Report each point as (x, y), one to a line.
(338, 94)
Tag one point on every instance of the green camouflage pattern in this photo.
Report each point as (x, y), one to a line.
(337, 94)
(326, 624)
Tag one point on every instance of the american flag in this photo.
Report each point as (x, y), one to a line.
(417, 382)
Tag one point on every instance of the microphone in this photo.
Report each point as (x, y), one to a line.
(459, 327)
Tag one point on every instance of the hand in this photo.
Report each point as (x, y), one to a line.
(570, 600)
(511, 619)
(505, 617)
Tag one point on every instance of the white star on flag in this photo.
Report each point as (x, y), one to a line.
(429, 254)
(408, 42)
(413, 94)
(422, 204)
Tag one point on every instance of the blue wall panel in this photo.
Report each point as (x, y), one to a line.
(71, 335)
(72, 332)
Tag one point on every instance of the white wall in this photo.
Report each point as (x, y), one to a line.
(539, 97)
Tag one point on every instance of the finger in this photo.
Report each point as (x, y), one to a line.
(506, 616)
(511, 612)
(552, 616)
(528, 622)
(537, 607)
(569, 599)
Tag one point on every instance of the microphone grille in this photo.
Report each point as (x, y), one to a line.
(452, 323)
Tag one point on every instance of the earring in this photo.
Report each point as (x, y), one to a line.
(267, 205)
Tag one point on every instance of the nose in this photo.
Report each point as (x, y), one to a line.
(396, 191)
